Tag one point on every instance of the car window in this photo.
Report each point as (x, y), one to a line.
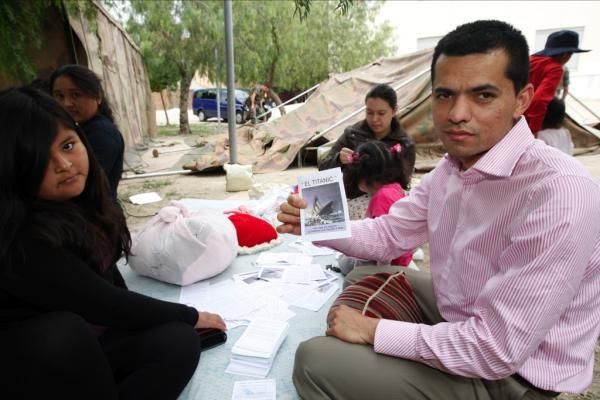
(198, 94)
(210, 95)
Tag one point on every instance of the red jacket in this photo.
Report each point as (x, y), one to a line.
(545, 74)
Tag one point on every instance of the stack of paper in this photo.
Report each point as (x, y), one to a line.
(255, 350)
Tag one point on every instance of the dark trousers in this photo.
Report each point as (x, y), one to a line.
(58, 355)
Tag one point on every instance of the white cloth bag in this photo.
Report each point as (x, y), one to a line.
(182, 247)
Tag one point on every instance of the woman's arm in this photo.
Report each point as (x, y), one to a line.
(53, 279)
(332, 160)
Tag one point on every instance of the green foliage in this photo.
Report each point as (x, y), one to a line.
(20, 32)
(272, 45)
(178, 32)
(302, 9)
(176, 39)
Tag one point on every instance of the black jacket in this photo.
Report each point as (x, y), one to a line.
(108, 146)
(54, 279)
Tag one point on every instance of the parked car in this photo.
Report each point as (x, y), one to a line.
(204, 103)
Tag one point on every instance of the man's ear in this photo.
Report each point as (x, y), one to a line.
(524, 98)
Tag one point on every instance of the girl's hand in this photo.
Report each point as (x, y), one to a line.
(346, 155)
(290, 215)
(210, 320)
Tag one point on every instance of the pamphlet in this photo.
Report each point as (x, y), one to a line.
(326, 216)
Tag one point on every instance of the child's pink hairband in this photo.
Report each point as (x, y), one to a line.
(397, 148)
(355, 156)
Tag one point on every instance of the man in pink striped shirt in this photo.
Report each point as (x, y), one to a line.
(513, 228)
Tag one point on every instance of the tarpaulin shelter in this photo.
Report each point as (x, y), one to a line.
(276, 144)
(101, 44)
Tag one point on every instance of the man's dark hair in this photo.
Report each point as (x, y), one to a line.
(484, 36)
(555, 114)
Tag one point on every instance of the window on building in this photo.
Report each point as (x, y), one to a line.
(427, 42)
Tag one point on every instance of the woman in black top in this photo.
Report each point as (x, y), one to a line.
(79, 91)
(381, 124)
(69, 328)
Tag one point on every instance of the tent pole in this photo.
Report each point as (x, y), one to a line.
(230, 81)
(290, 100)
(151, 174)
(361, 109)
(582, 104)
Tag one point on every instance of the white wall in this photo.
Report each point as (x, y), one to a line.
(415, 20)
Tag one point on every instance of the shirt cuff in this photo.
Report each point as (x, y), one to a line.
(396, 338)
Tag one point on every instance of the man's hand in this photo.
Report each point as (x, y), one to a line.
(346, 155)
(210, 320)
(290, 215)
(349, 325)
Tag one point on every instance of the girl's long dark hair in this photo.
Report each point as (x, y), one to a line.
(91, 225)
(374, 162)
(88, 82)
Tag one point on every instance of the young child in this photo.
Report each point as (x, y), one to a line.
(377, 170)
(553, 132)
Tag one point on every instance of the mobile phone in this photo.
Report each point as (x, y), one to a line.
(210, 337)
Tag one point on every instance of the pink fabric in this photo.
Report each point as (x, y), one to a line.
(515, 264)
(380, 204)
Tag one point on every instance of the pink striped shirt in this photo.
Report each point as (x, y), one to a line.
(515, 265)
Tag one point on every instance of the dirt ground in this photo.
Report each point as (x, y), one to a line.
(212, 186)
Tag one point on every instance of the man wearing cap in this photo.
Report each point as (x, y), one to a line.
(546, 72)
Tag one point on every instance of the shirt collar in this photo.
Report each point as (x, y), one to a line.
(501, 159)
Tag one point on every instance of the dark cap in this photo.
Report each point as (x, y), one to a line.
(561, 42)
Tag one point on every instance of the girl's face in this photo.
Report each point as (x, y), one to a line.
(379, 116)
(67, 168)
(80, 105)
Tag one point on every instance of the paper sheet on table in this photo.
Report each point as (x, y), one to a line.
(226, 298)
(309, 249)
(251, 278)
(318, 296)
(145, 198)
(264, 389)
(282, 258)
(271, 273)
(303, 274)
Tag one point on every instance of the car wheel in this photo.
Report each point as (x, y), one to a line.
(201, 115)
(239, 118)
